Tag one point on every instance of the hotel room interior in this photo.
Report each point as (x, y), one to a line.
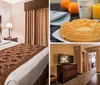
(74, 64)
(24, 42)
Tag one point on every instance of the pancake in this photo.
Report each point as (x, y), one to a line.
(81, 30)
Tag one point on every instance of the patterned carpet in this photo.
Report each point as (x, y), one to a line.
(81, 79)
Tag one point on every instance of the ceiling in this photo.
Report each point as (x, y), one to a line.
(87, 45)
(13, 1)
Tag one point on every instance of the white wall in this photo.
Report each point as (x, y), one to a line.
(15, 14)
(18, 20)
(6, 12)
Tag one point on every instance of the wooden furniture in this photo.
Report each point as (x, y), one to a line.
(12, 39)
(66, 72)
(53, 80)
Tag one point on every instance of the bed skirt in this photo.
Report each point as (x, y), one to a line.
(43, 79)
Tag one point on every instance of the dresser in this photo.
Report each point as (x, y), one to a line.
(66, 72)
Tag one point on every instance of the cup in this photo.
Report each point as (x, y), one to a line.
(85, 8)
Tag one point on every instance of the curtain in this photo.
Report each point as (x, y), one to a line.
(42, 26)
(29, 26)
(37, 27)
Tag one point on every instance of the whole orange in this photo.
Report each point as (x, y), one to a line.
(73, 8)
(65, 3)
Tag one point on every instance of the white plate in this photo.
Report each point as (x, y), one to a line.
(62, 20)
(56, 35)
(55, 15)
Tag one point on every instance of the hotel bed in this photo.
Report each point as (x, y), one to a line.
(27, 73)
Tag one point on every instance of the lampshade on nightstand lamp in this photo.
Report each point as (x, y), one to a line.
(9, 26)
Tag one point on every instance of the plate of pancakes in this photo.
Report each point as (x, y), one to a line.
(79, 30)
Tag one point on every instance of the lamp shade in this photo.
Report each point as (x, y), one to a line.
(9, 25)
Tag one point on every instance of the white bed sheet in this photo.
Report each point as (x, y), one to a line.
(28, 73)
(6, 44)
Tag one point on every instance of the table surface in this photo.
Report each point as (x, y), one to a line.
(57, 7)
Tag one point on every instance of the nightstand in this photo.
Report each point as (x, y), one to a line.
(12, 39)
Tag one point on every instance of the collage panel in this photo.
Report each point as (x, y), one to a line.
(74, 64)
(74, 21)
(24, 48)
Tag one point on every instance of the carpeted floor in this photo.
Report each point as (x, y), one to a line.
(81, 79)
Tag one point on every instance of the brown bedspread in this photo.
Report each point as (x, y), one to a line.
(13, 57)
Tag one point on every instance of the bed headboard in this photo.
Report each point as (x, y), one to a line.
(0, 27)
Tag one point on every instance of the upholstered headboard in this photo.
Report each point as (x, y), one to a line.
(0, 27)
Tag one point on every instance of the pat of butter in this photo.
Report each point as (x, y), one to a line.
(96, 11)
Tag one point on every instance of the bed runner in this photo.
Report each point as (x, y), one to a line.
(13, 57)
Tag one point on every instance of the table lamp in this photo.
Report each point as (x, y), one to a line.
(9, 26)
